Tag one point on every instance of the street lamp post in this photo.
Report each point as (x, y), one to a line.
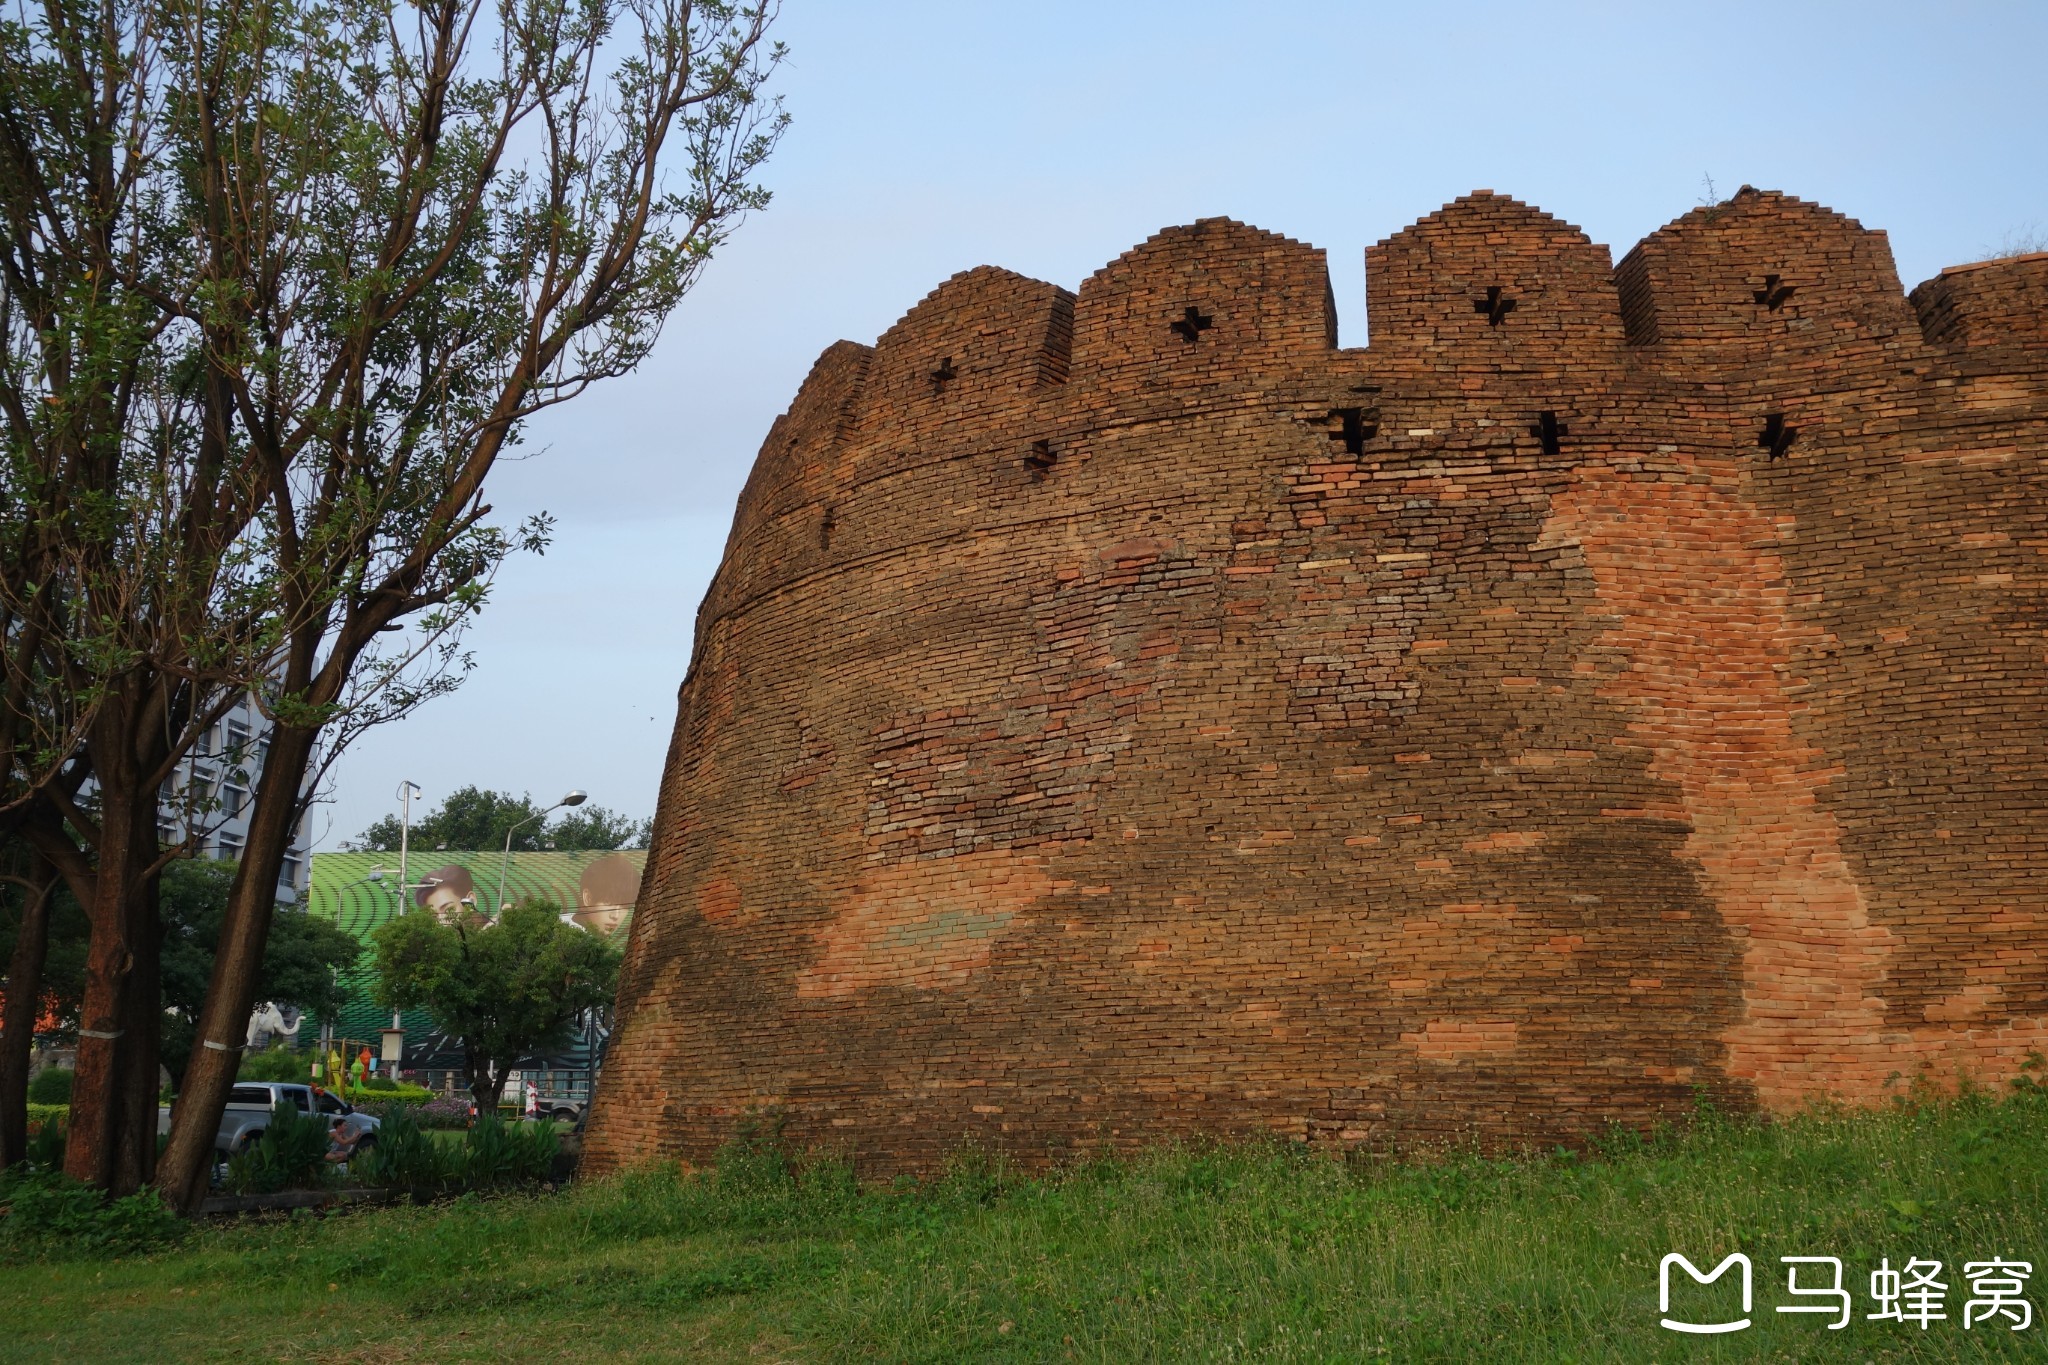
(574, 798)
(406, 791)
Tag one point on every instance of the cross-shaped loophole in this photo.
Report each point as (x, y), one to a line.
(943, 373)
(1191, 325)
(1773, 295)
(1354, 428)
(1496, 305)
(1776, 437)
(1549, 431)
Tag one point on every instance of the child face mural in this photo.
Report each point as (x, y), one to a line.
(605, 894)
(451, 894)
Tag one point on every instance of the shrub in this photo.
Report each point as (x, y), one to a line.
(46, 1212)
(443, 1113)
(406, 1157)
(493, 1155)
(51, 1086)
(276, 1063)
(291, 1154)
(424, 1108)
(46, 1141)
(499, 1154)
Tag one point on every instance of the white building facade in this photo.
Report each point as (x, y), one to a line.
(213, 793)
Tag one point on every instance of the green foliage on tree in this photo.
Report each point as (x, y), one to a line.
(508, 989)
(281, 284)
(594, 827)
(472, 819)
(300, 958)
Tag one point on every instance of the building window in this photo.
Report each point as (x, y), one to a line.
(230, 845)
(232, 799)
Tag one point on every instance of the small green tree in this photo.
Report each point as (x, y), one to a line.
(508, 989)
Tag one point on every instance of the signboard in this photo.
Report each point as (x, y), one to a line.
(594, 890)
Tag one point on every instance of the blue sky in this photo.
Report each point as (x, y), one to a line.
(1050, 137)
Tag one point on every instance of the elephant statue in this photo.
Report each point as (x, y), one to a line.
(267, 1025)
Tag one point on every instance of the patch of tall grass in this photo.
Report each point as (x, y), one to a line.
(1197, 1251)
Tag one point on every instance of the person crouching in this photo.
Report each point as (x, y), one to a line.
(345, 1137)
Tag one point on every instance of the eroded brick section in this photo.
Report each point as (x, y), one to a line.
(1123, 714)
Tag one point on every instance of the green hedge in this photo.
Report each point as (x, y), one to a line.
(384, 1088)
(47, 1113)
(52, 1085)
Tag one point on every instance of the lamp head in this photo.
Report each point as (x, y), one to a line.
(575, 798)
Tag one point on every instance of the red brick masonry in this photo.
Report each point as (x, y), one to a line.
(1129, 715)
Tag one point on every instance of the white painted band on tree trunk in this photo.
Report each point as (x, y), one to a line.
(223, 1047)
(95, 1033)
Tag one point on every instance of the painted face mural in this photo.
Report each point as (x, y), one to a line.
(451, 894)
(605, 894)
(593, 890)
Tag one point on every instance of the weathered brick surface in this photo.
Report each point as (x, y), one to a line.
(1127, 715)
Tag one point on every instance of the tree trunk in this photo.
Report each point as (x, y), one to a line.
(105, 1013)
(230, 993)
(24, 1001)
(486, 1081)
(142, 1034)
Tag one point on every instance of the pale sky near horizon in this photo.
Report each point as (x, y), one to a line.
(1049, 138)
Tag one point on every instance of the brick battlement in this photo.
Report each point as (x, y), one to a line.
(1126, 714)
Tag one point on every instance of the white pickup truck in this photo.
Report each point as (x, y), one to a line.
(248, 1112)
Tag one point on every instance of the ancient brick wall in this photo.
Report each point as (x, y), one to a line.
(1128, 715)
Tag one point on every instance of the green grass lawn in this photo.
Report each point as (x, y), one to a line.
(1234, 1253)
